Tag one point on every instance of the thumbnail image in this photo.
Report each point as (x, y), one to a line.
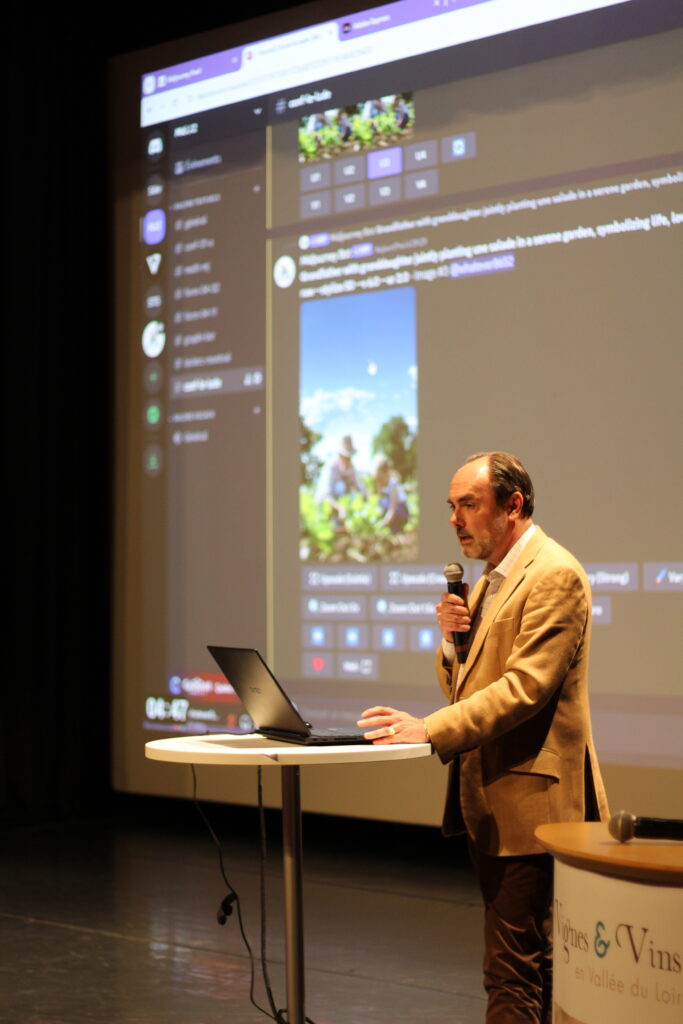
(358, 498)
(374, 123)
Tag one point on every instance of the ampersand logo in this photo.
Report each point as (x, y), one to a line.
(599, 944)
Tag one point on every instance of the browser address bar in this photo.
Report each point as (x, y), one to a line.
(236, 87)
(297, 58)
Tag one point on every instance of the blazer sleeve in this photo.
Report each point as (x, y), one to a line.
(444, 673)
(525, 658)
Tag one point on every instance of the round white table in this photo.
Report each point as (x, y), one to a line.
(251, 749)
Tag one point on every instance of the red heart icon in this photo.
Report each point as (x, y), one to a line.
(318, 664)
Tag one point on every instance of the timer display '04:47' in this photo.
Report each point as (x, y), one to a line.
(158, 709)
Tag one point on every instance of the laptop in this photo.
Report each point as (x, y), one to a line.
(268, 705)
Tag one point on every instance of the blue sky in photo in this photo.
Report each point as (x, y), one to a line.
(358, 366)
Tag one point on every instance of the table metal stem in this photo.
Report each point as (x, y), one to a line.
(292, 870)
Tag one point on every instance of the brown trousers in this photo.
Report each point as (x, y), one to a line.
(518, 894)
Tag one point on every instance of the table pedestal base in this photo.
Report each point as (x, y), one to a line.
(292, 871)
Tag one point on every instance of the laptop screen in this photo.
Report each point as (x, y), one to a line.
(262, 696)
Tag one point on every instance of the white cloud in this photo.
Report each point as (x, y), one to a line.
(321, 407)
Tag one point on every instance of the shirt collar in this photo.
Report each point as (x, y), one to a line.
(502, 570)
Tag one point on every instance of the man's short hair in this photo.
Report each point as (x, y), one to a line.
(507, 475)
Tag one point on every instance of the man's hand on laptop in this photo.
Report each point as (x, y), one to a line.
(387, 725)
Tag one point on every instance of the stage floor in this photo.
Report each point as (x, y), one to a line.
(114, 921)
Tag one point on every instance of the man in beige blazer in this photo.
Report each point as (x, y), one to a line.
(516, 732)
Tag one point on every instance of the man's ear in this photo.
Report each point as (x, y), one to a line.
(516, 504)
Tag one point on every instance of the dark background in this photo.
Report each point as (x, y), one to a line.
(57, 397)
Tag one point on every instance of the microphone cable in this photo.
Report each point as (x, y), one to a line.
(225, 908)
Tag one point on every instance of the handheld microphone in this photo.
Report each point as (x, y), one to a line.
(454, 573)
(624, 826)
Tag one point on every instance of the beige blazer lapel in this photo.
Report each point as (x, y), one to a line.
(508, 587)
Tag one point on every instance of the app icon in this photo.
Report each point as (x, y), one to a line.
(426, 639)
(154, 227)
(153, 339)
(153, 378)
(154, 189)
(388, 637)
(154, 300)
(318, 636)
(284, 272)
(152, 415)
(155, 147)
(152, 460)
(352, 636)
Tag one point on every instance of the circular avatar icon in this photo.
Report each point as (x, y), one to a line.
(153, 339)
(284, 272)
(153, 378)
(152, 460)
(152, 415)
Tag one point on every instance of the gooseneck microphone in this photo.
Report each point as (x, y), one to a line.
(624, 826)
(454, 573)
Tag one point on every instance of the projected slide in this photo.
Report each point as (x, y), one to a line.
(359, 428)
(345, 265)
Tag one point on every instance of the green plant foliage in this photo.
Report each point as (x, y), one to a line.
(311, 464)
(385, 123)
(317, 528)
(308, 144)
(362, 131)
(359, 538)
(396, 440)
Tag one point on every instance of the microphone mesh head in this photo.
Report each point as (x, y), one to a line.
(453, 572)
(621, 826)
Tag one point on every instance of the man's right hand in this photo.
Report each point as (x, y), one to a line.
(453, 615)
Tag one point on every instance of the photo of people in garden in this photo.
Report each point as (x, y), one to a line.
(358, 497)
(342, 131)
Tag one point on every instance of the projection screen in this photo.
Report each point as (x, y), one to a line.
(404, 234)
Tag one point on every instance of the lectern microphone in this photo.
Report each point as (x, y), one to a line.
(624, 826)
(454, 573)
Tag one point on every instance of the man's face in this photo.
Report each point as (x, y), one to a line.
(484, 529)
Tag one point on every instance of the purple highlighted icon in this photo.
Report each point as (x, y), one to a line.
(385, 162)
(154, 227)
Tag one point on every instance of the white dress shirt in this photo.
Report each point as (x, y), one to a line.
(495, 576)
